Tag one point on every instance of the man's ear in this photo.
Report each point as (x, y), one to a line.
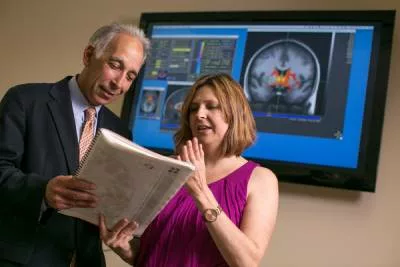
(88, 54)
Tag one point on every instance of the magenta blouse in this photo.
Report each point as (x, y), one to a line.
(178, 236)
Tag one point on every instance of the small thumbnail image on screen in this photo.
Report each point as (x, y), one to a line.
(171, 113)
(149, 104)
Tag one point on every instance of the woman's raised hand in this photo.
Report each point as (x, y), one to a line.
(193, 152)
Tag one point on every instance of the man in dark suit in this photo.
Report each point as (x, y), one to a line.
(40, 128)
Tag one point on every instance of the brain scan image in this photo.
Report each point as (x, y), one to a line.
(149, 103)
(172, 109)
(283, 77)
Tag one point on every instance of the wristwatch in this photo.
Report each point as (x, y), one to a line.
(210, 215)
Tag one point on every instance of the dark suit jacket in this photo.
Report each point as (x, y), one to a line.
(38, 142)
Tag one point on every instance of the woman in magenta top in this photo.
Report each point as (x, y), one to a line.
(226, 212)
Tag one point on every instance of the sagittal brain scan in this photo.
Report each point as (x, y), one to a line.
(283, 77)
(172, 109)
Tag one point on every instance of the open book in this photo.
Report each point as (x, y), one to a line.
(131, 181)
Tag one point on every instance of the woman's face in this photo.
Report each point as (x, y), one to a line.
(206, 118)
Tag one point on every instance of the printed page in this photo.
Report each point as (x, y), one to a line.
(129, 184)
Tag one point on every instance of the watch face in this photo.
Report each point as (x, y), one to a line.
(210, 215)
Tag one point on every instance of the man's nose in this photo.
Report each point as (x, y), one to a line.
(118, 81)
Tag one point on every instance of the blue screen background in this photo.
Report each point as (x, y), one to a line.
(281, 147)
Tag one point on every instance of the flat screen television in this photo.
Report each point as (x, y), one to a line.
(316, 82)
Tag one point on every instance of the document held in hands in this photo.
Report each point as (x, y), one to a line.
(131, 181)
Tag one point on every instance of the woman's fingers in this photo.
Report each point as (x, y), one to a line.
(196, 148)
(119, 227)
(121, 232)
(102, 227)
(201, 151)
(185, 153)
(190, 149)
(129, 229)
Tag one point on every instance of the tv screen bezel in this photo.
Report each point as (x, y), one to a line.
(362, 178)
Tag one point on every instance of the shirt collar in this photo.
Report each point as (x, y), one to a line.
(79, 102)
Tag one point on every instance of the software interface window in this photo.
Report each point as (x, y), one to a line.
(304, 83)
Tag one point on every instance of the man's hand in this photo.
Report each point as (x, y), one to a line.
(65, 192)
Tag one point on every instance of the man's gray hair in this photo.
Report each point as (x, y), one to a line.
(103, 36)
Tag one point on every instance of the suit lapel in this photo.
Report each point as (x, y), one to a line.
(61, 111)
(104, 120)
(101, 119)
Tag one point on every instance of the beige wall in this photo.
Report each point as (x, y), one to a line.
(317, 227)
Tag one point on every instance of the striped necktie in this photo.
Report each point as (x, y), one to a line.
(87, 132)
(84, 144)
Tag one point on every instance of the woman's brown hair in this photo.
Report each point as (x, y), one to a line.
(241, 132)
